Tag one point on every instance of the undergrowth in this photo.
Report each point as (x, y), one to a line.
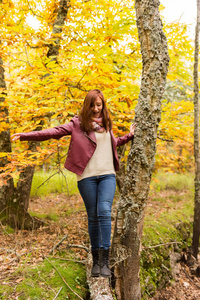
(171, 181)
(167, 228)
(45, 280)
(45, 183)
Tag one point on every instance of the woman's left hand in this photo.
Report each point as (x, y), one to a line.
(132, 128)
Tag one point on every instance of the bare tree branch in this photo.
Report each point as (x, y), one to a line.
(159, 245)
(59, 243)
(166, 140)
(56, 296)
(33, 11)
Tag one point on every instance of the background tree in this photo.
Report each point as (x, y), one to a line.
(196, 224)
(14, 202)
(128, 228)
(175, 132)
(6, 184)
(7, 190)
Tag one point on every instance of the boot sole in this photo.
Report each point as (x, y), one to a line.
(105, 276)
(95, 275)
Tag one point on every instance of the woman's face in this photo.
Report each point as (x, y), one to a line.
(97, 107)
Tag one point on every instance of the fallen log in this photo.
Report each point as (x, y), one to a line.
(99, 287)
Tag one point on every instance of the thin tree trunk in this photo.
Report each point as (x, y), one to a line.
(131, 207)
(57, 29)
(26, 175)
(11, 209)
(196, 224)
(6, 183)
(24, 186)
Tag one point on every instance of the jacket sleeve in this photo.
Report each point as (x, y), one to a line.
(124, 139)
(46, 134)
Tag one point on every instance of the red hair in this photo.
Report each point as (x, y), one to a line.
(86, 111)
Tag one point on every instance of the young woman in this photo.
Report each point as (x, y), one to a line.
(92, 156)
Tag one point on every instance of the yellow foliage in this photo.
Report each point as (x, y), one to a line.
(99, 48)
(3, 154)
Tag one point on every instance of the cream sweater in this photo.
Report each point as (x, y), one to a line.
(101, 163)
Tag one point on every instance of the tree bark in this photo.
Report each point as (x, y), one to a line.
(12, 209)
(57, 29)
(131, 207)
(196, 223)
(7, 184)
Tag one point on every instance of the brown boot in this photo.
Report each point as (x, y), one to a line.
(96, 265)
(104, 263)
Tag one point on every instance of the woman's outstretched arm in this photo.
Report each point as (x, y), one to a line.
(46, 134)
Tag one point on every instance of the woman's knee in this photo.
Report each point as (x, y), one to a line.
(104, 212)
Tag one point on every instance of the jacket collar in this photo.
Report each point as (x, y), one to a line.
(91, 136)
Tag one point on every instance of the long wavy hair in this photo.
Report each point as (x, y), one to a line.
(86, 111)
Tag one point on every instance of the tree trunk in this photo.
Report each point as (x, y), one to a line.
(6, 183)
(196, 224)
(57, 29)
(14, 202)
(130, 215)
(12, 210)
(26, 175)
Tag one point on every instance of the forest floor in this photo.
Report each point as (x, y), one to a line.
(66, 216)
(185, 287)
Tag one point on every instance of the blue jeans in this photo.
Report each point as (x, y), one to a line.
(98, 193)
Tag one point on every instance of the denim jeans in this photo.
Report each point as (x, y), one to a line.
(98, 193)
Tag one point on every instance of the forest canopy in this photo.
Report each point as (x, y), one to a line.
(97, 47)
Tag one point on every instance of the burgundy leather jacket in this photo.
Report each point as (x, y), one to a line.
(82, 145)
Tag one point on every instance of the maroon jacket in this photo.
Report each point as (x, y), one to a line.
(82, 145)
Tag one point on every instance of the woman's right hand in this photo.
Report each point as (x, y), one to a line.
(15, 137)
